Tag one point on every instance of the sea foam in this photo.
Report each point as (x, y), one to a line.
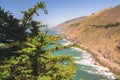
(88, 60)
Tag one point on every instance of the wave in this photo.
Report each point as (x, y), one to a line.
(88, 60)
(66, 42)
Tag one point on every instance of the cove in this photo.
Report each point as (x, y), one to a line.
(87, 68)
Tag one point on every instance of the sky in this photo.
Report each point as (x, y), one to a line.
(58, 10)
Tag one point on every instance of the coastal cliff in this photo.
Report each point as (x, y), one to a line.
(99, 33)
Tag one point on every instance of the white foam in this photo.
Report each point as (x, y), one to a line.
(89, 61)
(78, 49)
(66, 42)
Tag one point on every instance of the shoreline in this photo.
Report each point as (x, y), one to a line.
(98, 69)
(113, 67)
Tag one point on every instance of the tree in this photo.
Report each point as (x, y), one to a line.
(32, 58)
(13, 29)
(10, 28)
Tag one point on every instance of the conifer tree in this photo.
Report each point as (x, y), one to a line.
(32, 58)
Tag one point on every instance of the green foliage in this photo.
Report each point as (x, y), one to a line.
(32, 58)
(27, 20)
(75, 25)
(107, 25)
(13, 29)
(78, 46)
(10, 28)
(118, 78)
(85, 30)
(35, 62)
(102, 79)
(80, 79)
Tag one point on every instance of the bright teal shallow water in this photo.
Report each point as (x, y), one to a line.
(85, 70)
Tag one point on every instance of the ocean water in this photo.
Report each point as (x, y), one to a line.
(87, 67)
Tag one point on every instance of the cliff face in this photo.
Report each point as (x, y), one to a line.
(99, 32)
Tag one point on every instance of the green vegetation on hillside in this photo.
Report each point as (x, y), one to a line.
(107, 25)
(99, 33)
(75, 25)
(25, 54)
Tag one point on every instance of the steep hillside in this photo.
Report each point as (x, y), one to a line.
(99, 33)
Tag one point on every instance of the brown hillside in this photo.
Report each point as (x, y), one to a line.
(99, 33)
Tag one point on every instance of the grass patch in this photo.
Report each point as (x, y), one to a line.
(78, 46)
(75, 25)
(118, 31)
(1, 44)
(85, 30)
(107, 25)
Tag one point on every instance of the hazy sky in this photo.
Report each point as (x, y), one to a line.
(58, 10)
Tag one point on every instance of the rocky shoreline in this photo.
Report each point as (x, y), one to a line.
(99, 34)
(114, 68)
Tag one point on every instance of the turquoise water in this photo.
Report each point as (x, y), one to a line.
(84, 72)
(81, 69)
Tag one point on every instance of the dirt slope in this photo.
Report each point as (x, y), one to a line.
(99, 33)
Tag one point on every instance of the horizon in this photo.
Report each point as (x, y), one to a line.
(58, 11)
